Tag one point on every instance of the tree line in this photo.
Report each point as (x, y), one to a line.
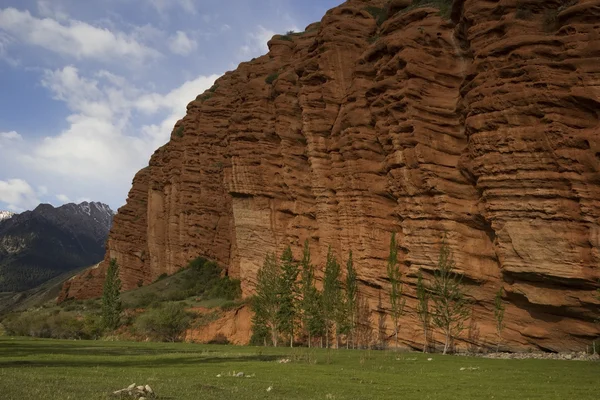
(289, 307)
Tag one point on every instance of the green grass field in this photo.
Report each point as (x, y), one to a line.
(54, 369)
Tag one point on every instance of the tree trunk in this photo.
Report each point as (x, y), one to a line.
(447, 342)
(274, 336)
(309, 339)
(425, 341)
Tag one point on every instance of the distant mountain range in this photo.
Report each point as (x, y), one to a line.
(38, 245)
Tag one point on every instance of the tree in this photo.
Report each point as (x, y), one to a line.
(423, 310)
(351, 299)
(397, 302)
(288, 295)
(499, 315)
(331, 294)
(111, 297)
(450, 306)
(381, 325)
(166, 323)
(311, 301)
(364, 323)
(265, 303)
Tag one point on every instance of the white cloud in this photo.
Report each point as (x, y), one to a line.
(18, 194)
(256, 42)
(63, 198)
(181, 44)
(12, 135)
(51, 10)
(101, 146)
(73, 38)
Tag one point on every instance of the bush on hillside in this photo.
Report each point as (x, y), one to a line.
(205, 281)
(55, 324)
(166, 323)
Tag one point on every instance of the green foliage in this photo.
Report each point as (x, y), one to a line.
(380, 14)
(450, 306)
(204, 280)
(161, 277)
(373, 39)
(394, 275)
(332, 295)
(111, 297)
(523, 12)
(311, 300)
(351, 301)
(165, 324)
(54, 324)
(445, 6)
(179, 132)
(265, 303)
(288, 289)
(271, 78)
(550, 20)
(219, 338)
(499, 314)
(423, 309)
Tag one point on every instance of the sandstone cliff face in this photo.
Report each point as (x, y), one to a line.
(484, 126)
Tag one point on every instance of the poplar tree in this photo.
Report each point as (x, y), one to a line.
(111, 297)
(397, 302)
(331, 294)
(288, 295)
(450, 306)
(423, 310)
(351, 298)
(310, 303)
(265, 303)
(499, 315)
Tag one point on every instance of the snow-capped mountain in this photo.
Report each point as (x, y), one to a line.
(38, 245)
(6, 215)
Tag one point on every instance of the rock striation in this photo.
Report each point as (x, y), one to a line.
(481, 121)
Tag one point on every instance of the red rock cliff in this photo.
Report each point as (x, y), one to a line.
(485, 126)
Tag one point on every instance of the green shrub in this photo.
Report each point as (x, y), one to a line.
(205, 281)
(380, 14)
(286, 37)
(445, 6)
(166, 323)
(523, 13)
(550, 20)
(54, 324)
(271, 78)
(179, 132)
(162, 276)
(219, 338)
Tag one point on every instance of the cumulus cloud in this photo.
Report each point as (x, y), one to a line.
(73, 38)
(101, 147)
(182, 44)
(18, 195)
(12, 135)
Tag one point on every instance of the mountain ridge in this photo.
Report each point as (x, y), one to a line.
(43, 243)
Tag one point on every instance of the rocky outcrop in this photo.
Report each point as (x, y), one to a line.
(482, 122)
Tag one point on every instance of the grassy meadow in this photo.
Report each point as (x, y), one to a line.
(62, 369)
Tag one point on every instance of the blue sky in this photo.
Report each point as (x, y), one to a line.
(89, 89)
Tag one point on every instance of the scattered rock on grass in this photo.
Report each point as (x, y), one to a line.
(140, 392)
